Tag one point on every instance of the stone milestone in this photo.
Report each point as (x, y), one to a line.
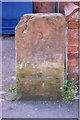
(40, 49)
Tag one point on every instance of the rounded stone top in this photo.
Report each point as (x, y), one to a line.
(57, 18)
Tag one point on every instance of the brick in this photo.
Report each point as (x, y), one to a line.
(43, 11)
(73, 56)
(72, 49)
(72, 76)
(71, 41)
(72, 62)
(44, 4)
(73, 24)
(73, 34)
(43, 7)
(73, 69)
(73, 37)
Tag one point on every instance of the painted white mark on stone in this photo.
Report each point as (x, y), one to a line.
(21, 66)
(28, 62)
(43, 84)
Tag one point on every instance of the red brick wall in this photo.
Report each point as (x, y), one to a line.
(73, 49)
(43, 7)
(73, 35)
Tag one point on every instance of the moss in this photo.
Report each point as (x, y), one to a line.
(53, 71)
(44, 88)
(28, 71)
(39, 85)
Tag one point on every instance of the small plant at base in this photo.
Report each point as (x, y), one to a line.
(13, 92)
(68, 93)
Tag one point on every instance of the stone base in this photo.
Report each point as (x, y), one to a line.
(44, 85)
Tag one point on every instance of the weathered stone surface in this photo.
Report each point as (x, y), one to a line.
(40, 55)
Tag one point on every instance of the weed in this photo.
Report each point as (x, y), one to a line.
(13, 95)
(68, 93)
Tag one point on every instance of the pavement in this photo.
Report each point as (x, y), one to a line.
(39, 109)
(30, 108)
